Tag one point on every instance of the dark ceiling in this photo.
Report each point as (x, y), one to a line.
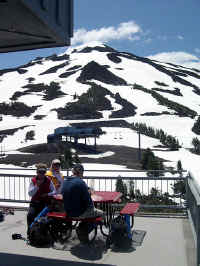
(33, 24)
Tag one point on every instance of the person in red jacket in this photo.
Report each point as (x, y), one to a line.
(39, 189)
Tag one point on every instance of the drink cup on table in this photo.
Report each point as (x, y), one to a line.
(91, 187)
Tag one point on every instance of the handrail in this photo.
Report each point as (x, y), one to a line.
(14, 187)
(106, 177)
(193, 186)
(102, 170)
(193, 202)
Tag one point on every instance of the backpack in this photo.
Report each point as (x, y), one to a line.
(118, 236)
(1, 216)
(39, 234)
(82, 231)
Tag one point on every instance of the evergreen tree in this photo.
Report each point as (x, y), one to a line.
(196, 145)
(131, 189)
(154, 192)
(179, 167)
(76, 158)
(161, 168)
(120, 186)
(61, 157)
(147, 156)
(179, 188)
(67, 159)
(150, 162)
(138, 194)
(153, 164)
(196, 126)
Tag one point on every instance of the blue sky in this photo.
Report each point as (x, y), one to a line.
(164, 30)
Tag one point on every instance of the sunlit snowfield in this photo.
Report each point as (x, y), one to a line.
(144, 74)
(117, 136)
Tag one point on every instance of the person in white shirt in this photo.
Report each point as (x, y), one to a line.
(40, 188)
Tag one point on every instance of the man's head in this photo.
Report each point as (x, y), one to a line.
(78, 169)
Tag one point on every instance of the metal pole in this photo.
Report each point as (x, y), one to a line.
(198, 234)
(139, 146)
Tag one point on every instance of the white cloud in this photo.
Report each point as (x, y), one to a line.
(126, 30)
(149, 40)
(163, 38)
(178, 58)
(180, 37)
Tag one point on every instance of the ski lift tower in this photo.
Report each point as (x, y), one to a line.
(35, 24)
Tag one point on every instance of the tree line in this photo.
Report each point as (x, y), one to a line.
(167, 140)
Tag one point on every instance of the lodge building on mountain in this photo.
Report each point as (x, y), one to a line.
(73, 134)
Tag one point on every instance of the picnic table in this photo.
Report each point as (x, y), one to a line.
(102, 200)
(62, 224)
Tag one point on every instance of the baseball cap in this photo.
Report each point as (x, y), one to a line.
(78, 168)
(56, 161)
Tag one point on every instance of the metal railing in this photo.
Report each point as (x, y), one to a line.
(14, 187)
(193, 205)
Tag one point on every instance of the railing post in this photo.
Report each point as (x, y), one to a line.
(198, 233)
(187, 191)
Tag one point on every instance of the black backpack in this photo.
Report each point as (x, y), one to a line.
(118, 237)
(39, 234)
(82, 231)
(1, 216)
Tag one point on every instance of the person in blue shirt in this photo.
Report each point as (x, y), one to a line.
(76, 196)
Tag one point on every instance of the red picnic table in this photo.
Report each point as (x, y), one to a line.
(99, 196)
(102, 200)
(106, 196)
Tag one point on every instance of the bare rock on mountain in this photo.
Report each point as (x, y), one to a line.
(95, 71)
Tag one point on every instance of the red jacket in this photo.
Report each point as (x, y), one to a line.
(44, 188)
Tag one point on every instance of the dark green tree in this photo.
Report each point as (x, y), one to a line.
(138, 194)
(131, 189)
(152, 163)
(147, 156)
(196, 126)
(120, 186)
(179, 188)
(30, 135)
(179, 168)
(76, 158)
(196, 145)
(66, 159)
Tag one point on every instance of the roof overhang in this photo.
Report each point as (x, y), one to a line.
(34, 24)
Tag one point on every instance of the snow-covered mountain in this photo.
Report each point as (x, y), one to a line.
(95, 82)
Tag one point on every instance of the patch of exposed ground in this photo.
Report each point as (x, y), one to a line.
(122, 155)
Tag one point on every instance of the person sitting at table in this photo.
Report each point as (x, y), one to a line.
(40, 188)
(54, 173)
(76, 196)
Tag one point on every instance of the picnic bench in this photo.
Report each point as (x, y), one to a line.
(62, 226)
(129, 211)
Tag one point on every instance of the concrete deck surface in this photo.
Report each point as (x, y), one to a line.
(168, 242)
